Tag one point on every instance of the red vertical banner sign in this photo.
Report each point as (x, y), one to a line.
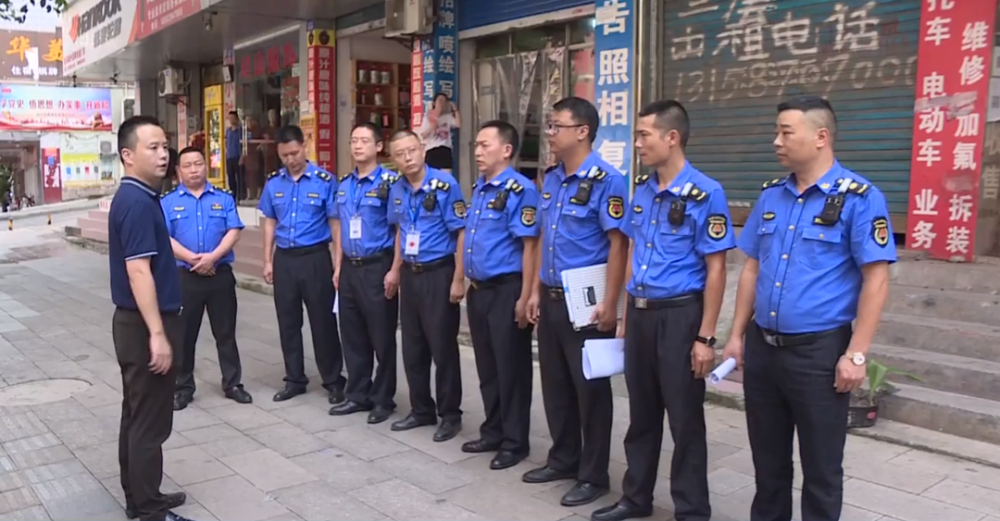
(229, 87)
(321, 66)
(51, 175)
(416, 85)
(953, 74)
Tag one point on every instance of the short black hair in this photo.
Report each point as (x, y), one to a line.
(813, 105)
(290, 134)
(583, 112)
(234, 113)
(670, 115)
(190, 150)
(375, 130)
(403, 134)
(128, 132)
(506, 132)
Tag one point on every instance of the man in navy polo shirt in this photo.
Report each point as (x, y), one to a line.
(146, 291)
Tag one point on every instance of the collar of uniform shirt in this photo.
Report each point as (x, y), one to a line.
(825, 184)
(429, 175)
(501, 177)
(677, 185)
(209, 189)
(371, 175)
(588, 163)
(309, 170)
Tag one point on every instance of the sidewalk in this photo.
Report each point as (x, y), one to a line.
(290, 460)
(54, 208)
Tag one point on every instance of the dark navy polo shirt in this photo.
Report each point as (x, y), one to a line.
(136, 229)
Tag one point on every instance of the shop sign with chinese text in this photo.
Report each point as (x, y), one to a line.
(953, 69)
(28, 52)
(273, 58)
(434, 63)
(40, 107)
(321, 67)
(614, 47)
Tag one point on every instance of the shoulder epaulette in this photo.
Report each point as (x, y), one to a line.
(856, 187)
(273, 174)
(641, 179)
(341, 177)
(697, 193)
(389, 177)
(777, 181)
(513, 186)
(596, 173)
(168, 193)
(324, 175)
(437, 184)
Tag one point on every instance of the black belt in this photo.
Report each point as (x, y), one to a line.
(799, 339)
(499, 280)
(554, 293)
(662, 303)
(137, 312)
(305, 250)
(371, 259)
(421, 267)
(221, 268)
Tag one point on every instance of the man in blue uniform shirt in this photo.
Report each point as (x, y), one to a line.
(300, 209)
(678, 221)
(582, 206)
(818, 244)
(147, 323)
(368, 279)
(204, 226)
(500, 253)
(234, 156)
(429, 214)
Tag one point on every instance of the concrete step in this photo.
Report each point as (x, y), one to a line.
(98, 215)
(942, 304)
(951, 337)
(942, 372)
(94, 235)
(911, 270)
(956, 414)
(87, 223)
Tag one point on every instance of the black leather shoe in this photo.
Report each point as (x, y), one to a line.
(547, 475)
(288, 393)
(238, 395)
(379, 415)
(346, 408)
(479, 446)
(581, 494)
(174, 500)
(448, 430)
(506, 459)
(174, 517)
(411, 422)
(620, 511)
(337, 396)
(181, 401)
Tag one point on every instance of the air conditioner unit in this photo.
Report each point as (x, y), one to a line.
(169, 82)
(408, 17)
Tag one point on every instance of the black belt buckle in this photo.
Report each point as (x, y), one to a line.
(358, 262)
(474, 284)
(640, 302)
(774, 340)
(556, 293)
(417, 267)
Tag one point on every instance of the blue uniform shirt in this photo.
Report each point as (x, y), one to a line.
(234, 143)
(136, 229)
(301, 207)
(438, 228)
(358, 197)
(200, 223)
(494, 242)
(668, 260)
(575, 233)
(810, 276)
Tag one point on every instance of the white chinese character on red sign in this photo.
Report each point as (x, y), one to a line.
(932, 121)
(933, 85)
(926, 202)
(972, 70)
(968, 125)
(923, 235)
(929, 152)
(946, 5)
(965, 156)
(975, 36)
(958, 240)
(960, 207)
(938, 30)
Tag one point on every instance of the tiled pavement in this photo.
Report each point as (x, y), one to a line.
(292, 461)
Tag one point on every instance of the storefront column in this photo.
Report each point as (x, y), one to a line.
(229, 87)
(953, 84)
(435, 63)
(318, 120)
(616, 89)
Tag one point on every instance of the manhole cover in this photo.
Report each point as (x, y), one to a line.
(41, 391)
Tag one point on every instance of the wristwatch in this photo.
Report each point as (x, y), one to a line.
(710, 341)
(855, 358)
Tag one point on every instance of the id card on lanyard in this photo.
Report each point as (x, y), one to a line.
(412, 246)
(355, 225)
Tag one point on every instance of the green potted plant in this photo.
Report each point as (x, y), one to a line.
(864, 406)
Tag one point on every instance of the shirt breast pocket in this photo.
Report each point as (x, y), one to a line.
(822, 247)
(677, 240)
(765, 240)
(312, 206)
(574, 223)
(372, 204)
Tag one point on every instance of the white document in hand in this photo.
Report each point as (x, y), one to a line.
(336, 303)
(584, 289)
(603, 357)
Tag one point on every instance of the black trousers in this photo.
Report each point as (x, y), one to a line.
(237, 181)
(368, 327)
(147, 411)
(503, 362)
(430, 334)
(791, 389)
(579, 411)
(305, 276)
(217, 295)
(658, 346)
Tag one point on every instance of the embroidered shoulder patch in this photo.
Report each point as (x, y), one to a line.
(718, 226)
(528, 215)
(616, 207)
(459, 208)
(880, 231)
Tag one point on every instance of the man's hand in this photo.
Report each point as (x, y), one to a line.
(161, 357)
(532, 307)
(269, 273)
(702, 360)
(205, 265)
(620, 332)
(734, 349)
(849, 375)
(457, 291)
(605, 316)
(336, 278)
(391, 283)
(521, 312)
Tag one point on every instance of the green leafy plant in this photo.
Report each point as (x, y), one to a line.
(878, 385)
(17, 10)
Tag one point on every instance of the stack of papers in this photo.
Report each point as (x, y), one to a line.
(584, 289)
(603, 357)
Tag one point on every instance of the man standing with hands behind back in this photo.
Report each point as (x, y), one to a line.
(146, 292)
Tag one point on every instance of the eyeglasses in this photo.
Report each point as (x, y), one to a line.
(407, 152)
(554, 128)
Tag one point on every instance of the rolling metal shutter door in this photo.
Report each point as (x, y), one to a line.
(477, 13)
(732, 62)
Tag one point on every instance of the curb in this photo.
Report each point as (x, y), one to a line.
(35, 211)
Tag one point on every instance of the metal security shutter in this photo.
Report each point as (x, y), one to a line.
(732, 62)
(477, 13)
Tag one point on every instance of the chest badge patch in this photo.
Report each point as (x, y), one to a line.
(768, 216)
(178, 208)
(528, 214)
(279, 194)
(880, 231)
(546, 195)
(718, 226)
(216, 206)
(312, 195)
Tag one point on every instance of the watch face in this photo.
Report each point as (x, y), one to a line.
(859, 358)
